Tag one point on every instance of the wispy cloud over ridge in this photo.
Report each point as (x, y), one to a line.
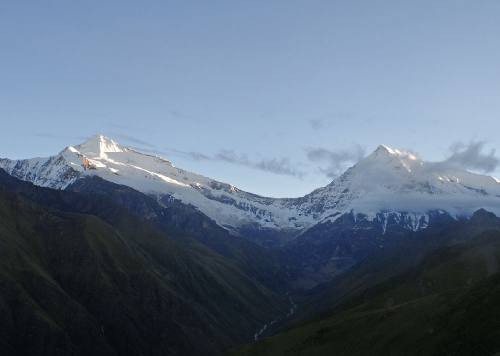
(332, 163)
(273, 165)
(471, 155)
(134, 140)
(281, 166)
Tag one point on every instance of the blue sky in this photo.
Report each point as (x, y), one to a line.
(273, 96)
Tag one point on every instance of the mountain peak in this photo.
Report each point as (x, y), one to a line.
(99, 138)
(384, 150)
(98, 145)
(385, 165)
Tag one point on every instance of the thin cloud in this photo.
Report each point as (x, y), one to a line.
(49, 135)
(281, 166)
(195, 156)
(472, 156)
(150, 151)
(322, 122)
(198, 156)
(134, 140)
(317, 124)
(121, 126)
(67, 138)
(179, 114)
(333, 163)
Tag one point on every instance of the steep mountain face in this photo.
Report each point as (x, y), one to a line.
(389, 186)
(180, 221)
(429, 301)
(329, 249)
(81, 275)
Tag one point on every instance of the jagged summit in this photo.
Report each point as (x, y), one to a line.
(386, 164)
(391, 157)
(97, 146)
(385, 149)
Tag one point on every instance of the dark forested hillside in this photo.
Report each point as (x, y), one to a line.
(107, 283)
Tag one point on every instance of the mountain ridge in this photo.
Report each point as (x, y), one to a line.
(387, 182)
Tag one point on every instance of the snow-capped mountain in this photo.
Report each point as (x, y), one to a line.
(388, 182)
(398, 183)
(153, 175)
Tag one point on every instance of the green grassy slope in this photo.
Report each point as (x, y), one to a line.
(449, 304)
